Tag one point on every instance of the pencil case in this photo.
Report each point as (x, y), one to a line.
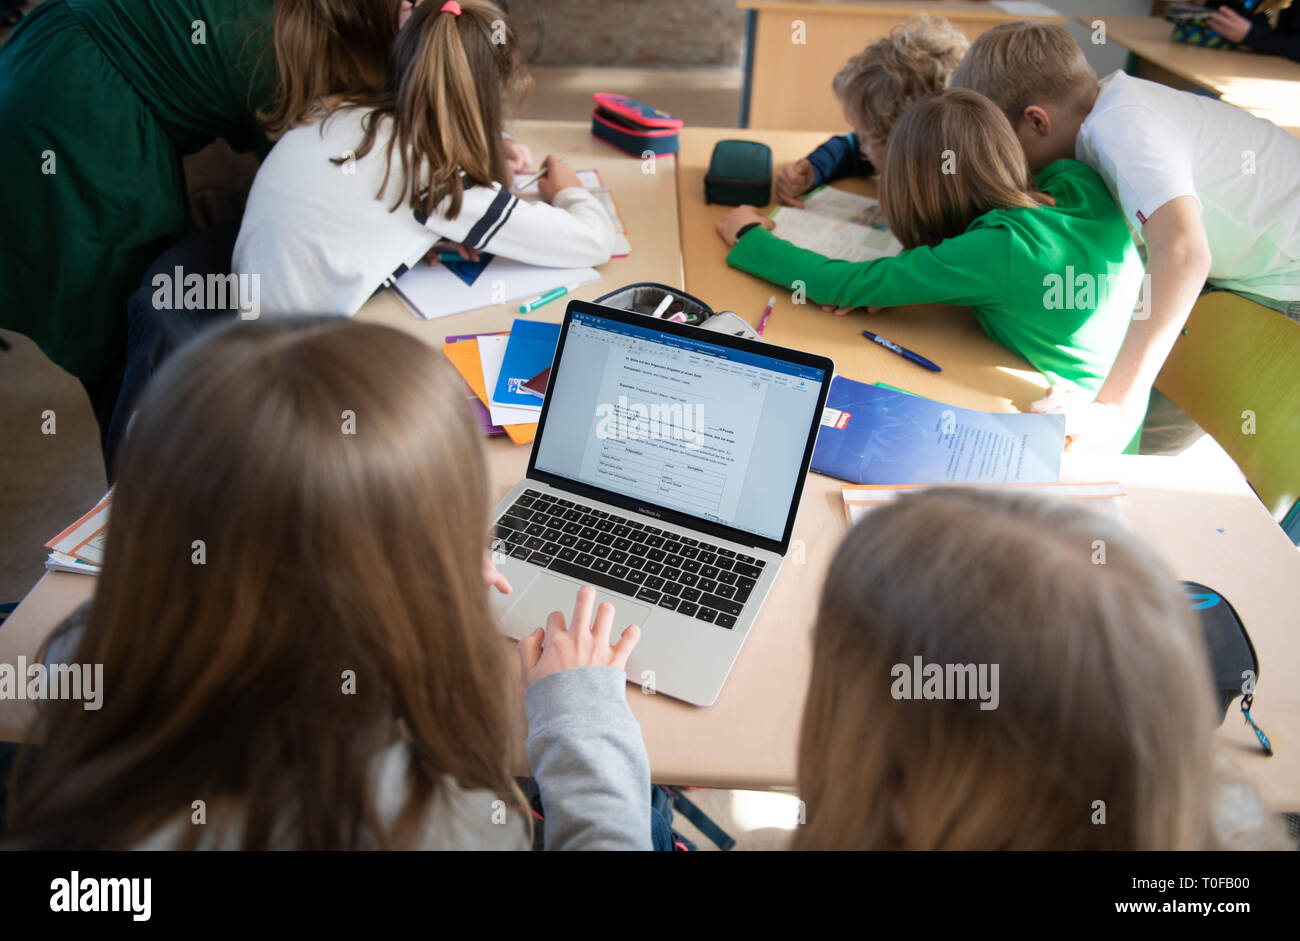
(740, 173)
(1190, 25)
(644, 297)
(1199, 34)
(633, 127)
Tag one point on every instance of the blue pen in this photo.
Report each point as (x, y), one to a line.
(906, 354)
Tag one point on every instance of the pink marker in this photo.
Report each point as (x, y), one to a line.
(767, 313)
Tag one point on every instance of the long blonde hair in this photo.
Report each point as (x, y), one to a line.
(292, 583)
(1104, 706)
(951, 157)
(327, 52)
(451, 81)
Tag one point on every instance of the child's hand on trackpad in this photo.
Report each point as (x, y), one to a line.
(580, 643)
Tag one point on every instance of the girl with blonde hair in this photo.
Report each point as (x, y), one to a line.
(364, 188)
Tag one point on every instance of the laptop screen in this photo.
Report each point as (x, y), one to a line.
(677, 421)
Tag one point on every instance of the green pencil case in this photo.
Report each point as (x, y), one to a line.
(740, 172)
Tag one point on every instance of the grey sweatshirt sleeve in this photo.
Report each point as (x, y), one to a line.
(585, 749)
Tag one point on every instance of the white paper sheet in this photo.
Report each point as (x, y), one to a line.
(591, 181)
(838, 225)
(436, 292)
(491, 354)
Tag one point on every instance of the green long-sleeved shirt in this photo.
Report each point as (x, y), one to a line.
(1056, 284)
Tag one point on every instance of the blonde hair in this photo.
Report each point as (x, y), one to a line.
(327, 52)
(951, 158)
(1019, 64)
(877, 84)
(451, 81)
(325, 552)
(1104, 690)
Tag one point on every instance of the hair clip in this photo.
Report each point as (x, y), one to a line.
(452, 7)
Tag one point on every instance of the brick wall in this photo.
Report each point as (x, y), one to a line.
(630, 32)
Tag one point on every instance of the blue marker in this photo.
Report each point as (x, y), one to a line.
(906, 354)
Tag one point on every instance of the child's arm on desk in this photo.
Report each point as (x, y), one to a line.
(837, 158)
(572, 231)
(962, 270)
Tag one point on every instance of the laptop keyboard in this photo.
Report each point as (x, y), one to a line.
(623, 555)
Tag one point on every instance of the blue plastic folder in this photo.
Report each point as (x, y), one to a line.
(529, 351)
(468, 271)
(875, 435)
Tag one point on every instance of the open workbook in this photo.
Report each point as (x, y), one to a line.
(838, 225)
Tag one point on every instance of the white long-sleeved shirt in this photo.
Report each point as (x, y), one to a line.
(320, 241)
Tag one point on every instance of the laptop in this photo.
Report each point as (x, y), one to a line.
(666, 473)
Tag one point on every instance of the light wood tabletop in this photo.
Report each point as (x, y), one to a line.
(1266, 86)
(976, 371)
(1209, 528)
(795, 49)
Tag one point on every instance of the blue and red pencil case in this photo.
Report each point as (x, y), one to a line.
(633, 127)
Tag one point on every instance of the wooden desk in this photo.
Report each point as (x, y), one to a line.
(976, 371)
(1212, 530)
(788, 84)
(1266, 86)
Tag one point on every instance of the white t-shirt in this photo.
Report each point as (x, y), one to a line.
(1152, 143)
(322, 243)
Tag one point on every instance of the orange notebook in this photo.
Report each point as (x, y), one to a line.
(464, 356)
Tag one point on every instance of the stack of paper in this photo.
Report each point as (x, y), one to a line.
(522, 364)
(436, 291)
(507, 374)
(80, 547)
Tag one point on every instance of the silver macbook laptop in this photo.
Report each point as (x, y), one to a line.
(666, 473)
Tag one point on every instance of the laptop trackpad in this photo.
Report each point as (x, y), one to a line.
(554, 593)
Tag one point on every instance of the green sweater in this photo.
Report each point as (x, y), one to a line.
(1056, 284)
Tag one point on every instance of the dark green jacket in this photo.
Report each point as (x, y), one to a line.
(99, 101)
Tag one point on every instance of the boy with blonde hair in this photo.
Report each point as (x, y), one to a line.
(1212, 190)
(874, 88)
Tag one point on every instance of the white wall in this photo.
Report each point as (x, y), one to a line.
(1110, 56)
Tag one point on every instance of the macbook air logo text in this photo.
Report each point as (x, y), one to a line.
(658, 421)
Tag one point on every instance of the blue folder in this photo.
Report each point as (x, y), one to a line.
(875, 435)
(529, 351)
